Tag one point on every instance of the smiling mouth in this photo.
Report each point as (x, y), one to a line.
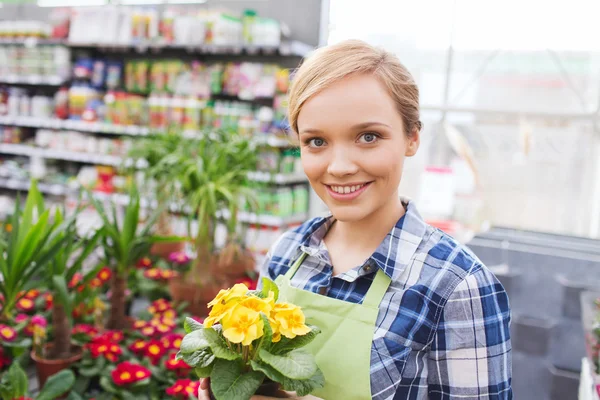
(347, 189)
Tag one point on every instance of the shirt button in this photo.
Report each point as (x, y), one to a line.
(368, 268)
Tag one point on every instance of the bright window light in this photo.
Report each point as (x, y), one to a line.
(71, 3)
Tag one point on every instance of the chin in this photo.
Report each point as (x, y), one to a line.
(349, 213)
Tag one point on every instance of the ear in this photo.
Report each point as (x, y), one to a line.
(412, 143)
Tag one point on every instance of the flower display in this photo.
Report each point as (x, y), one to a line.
(75, 280)
(183, 388)
(179, 258)
(139, 346)
(154, 351)
(104, 274)
(127, 373)
(179, 366)
(36, 321)
(171, 341)
(153, 273)
(85, 329)
(7, 333)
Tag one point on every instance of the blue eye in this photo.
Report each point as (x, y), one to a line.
(369, 137)
(316, 142)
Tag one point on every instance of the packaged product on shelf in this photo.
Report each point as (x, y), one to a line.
(300, 199)
(216, 78)
(268, 159)
(79, 96)
(114, 72)
(98, 74)
(288, 162)
(11, 134)
(265, 85)
(283, 202)
(248, 19)
(266, 32)
(158, 77)
(141, 84)
(61, 103)
(166, 25)
(25, 105)
(83, 68)
(130, 76)
(231, 79)
(173, 69)
(41, 106)
(192, 113)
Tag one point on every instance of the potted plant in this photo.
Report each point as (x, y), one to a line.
(156, 175)
(212, 176)
(66, 285)
(124, 244)
(261, 355)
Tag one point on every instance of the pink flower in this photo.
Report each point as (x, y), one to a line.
(179, 258)
(21, 318)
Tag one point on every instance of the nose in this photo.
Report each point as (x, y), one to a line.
(342, 163)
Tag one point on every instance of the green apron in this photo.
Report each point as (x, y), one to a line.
(343, 348)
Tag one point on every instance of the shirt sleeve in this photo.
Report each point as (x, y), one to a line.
(470, 356)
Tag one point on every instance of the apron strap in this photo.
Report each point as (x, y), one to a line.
(378, 288)
(292, 271)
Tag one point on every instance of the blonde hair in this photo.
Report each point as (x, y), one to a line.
(330, 64)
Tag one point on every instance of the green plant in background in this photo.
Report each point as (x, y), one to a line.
(212, 174)
(14, 385)
(153, 150)
(36, 238)
(64, 268)
(124, 244)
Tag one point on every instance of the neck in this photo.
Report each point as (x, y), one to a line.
(370, 231)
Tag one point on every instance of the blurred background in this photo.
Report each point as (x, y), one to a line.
(510, 100)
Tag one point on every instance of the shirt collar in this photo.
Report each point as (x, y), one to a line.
(395, 251)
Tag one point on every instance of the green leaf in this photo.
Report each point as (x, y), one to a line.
(81, 384)
(269, 286)
(204, 372)
(194, 341)
(219, 346)
(228, 381)
(191, 325)
(296, 364)
(302, 387)
(90, 372)
(23, 343)
(265, 340)
(73, 395)
(57, 385)
(286, 345)
(14, 382)
(107, 385)
(62, 293)
(200, 358)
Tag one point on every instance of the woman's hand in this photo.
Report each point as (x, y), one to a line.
(203, 390)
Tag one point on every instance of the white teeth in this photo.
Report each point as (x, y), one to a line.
(346, 189)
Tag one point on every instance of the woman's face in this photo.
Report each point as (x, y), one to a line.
(353, 147)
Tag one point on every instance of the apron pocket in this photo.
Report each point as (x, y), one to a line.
(388, 360)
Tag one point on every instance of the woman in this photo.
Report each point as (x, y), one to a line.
(406, 312)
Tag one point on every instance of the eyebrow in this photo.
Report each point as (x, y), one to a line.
(362, 125)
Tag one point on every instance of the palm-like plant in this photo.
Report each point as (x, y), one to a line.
(124, 244)
(33, 243)
(213, 175)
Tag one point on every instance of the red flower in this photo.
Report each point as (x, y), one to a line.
(85, 329)
(155, 351)
(37, 320)
(7, 333)
(153, 273)
(32, 294)
(160, 306)
(171, 341)
(113, 336)
(76, 280)
(183, 388)
(127, 373)
(104, 274)
(180, 366)
(148, 331)
(144, 263)
(49, 301)
(171, 314)
(139, 324)
(95, 283)
(25, 304)
(139, 346)
(168, 274)
(101, 346)
(251, 284)
(179, 257)
(21, 318)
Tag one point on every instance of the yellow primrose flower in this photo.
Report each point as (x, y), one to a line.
(291, 322)
(243, 325)
(224, 296)
(218, 312)
(275, 327)
(259, 305)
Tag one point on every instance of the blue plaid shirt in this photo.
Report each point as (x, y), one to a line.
(443, 325)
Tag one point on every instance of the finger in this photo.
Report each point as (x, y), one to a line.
(204, 383)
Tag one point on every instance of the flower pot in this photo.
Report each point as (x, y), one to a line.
(233, 265)
(268, 389)
(196, 297)
(163, 250)
(46, 368)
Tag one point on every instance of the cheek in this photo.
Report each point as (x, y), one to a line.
(384, 163)
(314, 165)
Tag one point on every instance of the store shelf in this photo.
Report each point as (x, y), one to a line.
(282, 179)
(88, 158)
(32, 42)
(81, 126)
(123, 199)
(33, 80)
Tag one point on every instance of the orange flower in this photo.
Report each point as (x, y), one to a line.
(104, 274)
(25, 304)
(7, 333)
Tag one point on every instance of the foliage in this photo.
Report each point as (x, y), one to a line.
(257, 340)
(14, 384)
